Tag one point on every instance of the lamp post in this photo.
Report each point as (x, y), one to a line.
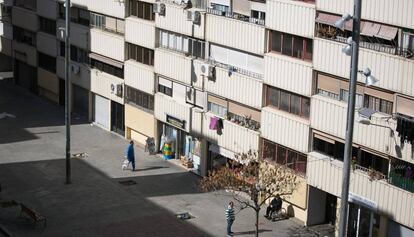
(350, 117)
(67, 89)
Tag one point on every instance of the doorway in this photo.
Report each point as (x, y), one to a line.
(330, 209)
(362, 221)
(117, 118)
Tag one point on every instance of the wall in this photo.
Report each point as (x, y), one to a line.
(173, 65)
(288, 73)
(229, 32)
(294, 17)
(82, 39)
(140, 32)
(166, 105)
(101, 85)
(47, 8)
(107, 44)
(140, 121)
(285, 129)
(82, 79)
(29, 51)
(140, 76)
(25, 18)
(106, 7)
(47, 44)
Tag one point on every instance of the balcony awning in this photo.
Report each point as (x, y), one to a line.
(330, 19)
(106, 60)
(387, 32)
(367, 28)
(370, 29)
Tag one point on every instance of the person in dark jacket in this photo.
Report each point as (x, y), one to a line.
(275, 206)
(130, 154)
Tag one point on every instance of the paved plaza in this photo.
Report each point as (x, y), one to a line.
(32, 171)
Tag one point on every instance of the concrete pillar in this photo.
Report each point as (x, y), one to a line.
(383, 226)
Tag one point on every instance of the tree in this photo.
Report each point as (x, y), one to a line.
(255, 177)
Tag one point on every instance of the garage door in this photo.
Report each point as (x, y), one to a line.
(101, 112)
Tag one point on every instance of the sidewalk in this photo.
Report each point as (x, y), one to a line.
(32, 169)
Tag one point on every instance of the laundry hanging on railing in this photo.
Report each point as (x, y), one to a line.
(405, 129)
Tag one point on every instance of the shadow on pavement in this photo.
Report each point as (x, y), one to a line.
(23, 105)
(93, 205)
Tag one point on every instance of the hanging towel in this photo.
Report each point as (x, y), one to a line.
(213, 123)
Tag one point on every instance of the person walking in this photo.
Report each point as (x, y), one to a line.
(130, 154)
(230, 218)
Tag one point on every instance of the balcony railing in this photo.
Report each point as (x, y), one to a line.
(383, 48)
(401, 182)
(236, 16)
(232, 69)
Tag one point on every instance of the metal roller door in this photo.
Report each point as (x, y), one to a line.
(102, 111)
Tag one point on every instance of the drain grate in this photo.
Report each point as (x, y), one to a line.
(128, 182)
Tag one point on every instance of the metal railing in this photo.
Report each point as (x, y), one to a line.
(232, 69)
(236, 16)
(383, 48)
(401, 182)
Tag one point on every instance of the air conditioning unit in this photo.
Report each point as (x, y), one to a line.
(194, 16)
(207, 70)
(75, 69)
(159, 8)
(118, 90)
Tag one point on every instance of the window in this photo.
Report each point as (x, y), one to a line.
(107, 23)
(77, 15)
(284, 156)
(47, 26)
(377, 104)
(217, 106)
(258, 15)
(110, 69)
(287, 101)
(182, 43)
(47, 62)
(358, 98)
(141, 10)
(165, 90)
(24, 36)
(76, 54)
(140, 54)
(139, 98)
(291, 45)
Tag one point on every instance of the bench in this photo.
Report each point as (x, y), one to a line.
(35, 216)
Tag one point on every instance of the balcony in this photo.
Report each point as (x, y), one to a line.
(236, 34)
(293, 17)
(166, 106)
(279, 67)
(25, 19)
(110, 8)
(140, 76)
(285, 129)
(108, 44)
(82, 34)
(394, 72)
(47, 8)
(326, 174)
(396, 12)
(47, 44)
(234, 137)
(6, 30)
(235, 84)
(82, 78)
(173, 65)
(329, 116)
(6, 46)
(102, 82)
(140, 32)
(25, 53)
(175, 20)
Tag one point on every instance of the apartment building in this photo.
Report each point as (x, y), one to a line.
(214, 78)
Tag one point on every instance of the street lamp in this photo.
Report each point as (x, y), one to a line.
(351, 49)
(67, 5)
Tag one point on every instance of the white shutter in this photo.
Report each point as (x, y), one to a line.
(102, 111)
